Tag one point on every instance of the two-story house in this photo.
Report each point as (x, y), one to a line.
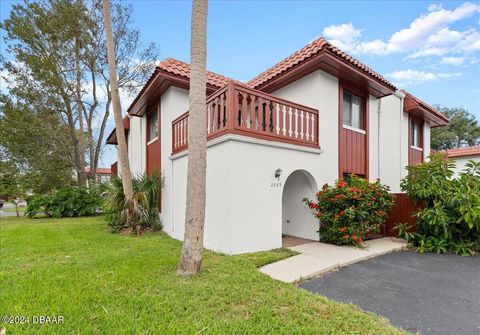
(312, 118)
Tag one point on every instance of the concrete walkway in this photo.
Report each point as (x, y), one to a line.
(317, 258)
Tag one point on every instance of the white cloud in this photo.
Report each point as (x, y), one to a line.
(414, 77)
(425, 26)
(434, 7)
(457, 61)
(427, 35)
(345, 33)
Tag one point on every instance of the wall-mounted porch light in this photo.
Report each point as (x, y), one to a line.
(278, 173)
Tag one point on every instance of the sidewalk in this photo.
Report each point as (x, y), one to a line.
(317, 258)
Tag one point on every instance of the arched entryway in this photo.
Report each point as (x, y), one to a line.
(297, 218)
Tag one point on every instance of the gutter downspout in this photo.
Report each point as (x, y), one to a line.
(379, 110)
(401, 95)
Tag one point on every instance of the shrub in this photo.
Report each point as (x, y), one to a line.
(146, 195)
(349, 211)
(66, 202)
(450, 218)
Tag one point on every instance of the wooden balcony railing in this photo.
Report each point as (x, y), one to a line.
(237, 109)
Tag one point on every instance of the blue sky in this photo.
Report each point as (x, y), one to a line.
(432, 49)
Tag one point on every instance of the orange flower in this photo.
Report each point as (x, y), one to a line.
(345, 236)
(360, 240)
(342, 184)
(341, 213)
(343, 229)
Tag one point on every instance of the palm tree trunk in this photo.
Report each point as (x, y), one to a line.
(117, 112)
(192, 251)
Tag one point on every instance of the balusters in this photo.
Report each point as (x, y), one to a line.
(249, 111)
(243, 111)
(224, 109)
(253, 120)
(313, 128)
(301, 122)
(290, 122)
(220, 112)
(296, 123)
(308, 126)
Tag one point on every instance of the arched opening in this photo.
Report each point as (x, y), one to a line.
(297, 218)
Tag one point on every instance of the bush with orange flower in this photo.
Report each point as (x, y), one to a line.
(349, 211)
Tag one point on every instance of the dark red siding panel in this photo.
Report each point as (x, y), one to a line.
(114, 169)
(415, 156)
(402, 212)
(154, 151)
(352, 145)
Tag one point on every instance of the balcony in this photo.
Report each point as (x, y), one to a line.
(236, 109)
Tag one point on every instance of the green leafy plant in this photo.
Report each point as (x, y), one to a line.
(146, 198)
(404, 230)
(450, 218)
(350, 211)
(66, 202)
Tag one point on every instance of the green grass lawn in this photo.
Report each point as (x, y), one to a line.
(103, 283)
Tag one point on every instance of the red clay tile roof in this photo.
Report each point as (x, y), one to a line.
(426, 106)
(306, 53)
(99, 170)
(460, 152)
(182, 69)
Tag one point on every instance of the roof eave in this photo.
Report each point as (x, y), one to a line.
(156, 86)
(435, 119)
(327, 61)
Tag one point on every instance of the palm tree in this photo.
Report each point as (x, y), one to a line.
(129, 213)
(192, 251)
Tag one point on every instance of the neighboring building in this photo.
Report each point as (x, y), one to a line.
(462, 156)
(315, 116)
(103, 174)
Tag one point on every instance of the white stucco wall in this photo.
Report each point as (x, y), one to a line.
(244, 199)
(319, 90)
(174, 102)
(218, 211)
(136, 145)
(426, 140)
(297, 219)
(388, 130)
(388, 146)
(461, 161)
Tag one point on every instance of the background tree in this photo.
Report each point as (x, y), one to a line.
(463, 130)
(11, 187)
(192, 250)
(35, 142)
(58, 50)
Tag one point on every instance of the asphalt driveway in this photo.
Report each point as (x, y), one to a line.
(429, 293)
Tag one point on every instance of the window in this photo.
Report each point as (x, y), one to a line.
(352, 110)
(416, 134)
(152, 125)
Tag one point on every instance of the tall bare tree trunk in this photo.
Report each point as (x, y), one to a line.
(82, 180)
(192, 251)
(117, 112)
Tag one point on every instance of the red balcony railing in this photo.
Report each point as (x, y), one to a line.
(237, 109)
